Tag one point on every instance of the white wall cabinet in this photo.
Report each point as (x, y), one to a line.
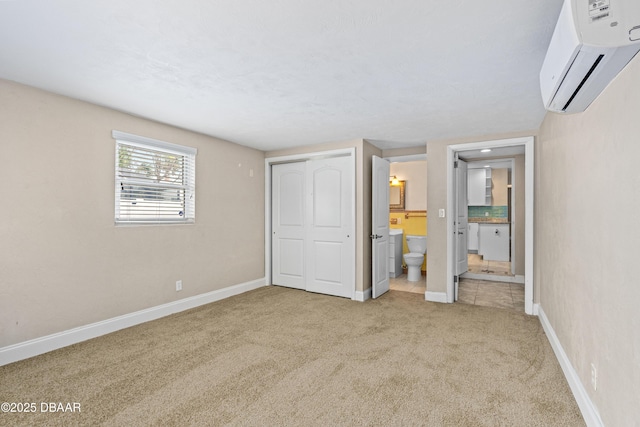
(395, 254)
(479, 187)
(493, 242)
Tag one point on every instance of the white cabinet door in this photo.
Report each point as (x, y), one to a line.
(494, 242)
(479, 187)
(395, 255)
(473, 236)
(475, 187)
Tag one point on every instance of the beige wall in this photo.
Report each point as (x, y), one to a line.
(437, 199)
(587, 240)
(409, 151)
(64, 263)
(364, 151)
(499, 180)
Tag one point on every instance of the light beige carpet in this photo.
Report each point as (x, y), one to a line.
(278, 357)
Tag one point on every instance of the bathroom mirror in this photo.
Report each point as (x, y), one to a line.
(396, 196)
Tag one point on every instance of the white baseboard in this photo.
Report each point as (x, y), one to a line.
(536, 309)
(435, 296)
(363, 295)
(587, 408)
(41, 345)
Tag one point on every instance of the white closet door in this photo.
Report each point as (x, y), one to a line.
(330, 255)
(288, 224)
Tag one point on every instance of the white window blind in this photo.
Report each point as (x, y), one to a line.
(155, 181)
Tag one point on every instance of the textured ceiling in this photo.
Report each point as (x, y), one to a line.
(281, 73)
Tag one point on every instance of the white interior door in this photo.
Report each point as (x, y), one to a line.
(380, 227)
(330, 258)
(288, 224)
(461, 222)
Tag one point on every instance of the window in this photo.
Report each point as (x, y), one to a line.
(155, 181)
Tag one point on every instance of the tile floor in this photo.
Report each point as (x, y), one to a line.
(480, 266)
(504, 295)
(487, 293)
(491, 294)
(401, 283)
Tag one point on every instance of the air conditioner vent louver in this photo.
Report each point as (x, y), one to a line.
(593, 67)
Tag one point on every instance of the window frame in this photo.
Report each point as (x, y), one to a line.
(188, 185)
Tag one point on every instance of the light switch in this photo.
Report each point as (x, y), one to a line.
(441, 213)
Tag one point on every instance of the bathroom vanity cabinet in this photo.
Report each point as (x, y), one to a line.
(395, 253)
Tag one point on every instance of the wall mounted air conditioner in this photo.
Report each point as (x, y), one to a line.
(592, 42)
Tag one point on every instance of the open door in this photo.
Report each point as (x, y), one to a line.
(461, 222)
(380, 227)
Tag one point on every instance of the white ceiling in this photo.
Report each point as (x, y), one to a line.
(281, 73)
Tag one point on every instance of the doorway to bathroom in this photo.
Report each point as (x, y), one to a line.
(407, 217)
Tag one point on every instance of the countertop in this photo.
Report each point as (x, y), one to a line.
(483, 220)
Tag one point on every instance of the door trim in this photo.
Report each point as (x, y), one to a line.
(268, 162)
(528, 143)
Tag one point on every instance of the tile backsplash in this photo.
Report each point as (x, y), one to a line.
(493, 211)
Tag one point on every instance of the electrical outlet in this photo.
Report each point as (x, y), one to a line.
(178, 285)
(594, 377)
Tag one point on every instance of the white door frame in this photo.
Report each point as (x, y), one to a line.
(345, 152)
(528, 143)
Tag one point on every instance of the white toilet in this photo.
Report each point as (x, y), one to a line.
(414, 259)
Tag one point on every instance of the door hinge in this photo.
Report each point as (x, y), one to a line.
(455, 164)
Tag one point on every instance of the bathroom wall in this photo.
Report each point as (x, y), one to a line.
(415, 176)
